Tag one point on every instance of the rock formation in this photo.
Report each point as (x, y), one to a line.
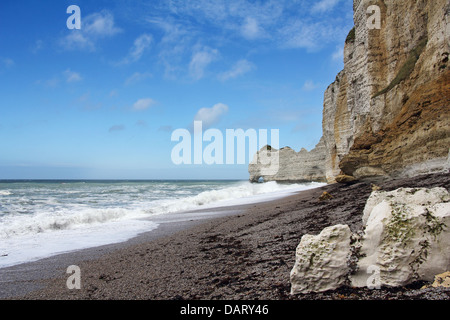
(406, 238)
(292, 166)
(387, 113)
(321, 261)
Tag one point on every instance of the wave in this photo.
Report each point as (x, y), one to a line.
(39, 224)
(22, 224)
(244, 191)
(52, 215)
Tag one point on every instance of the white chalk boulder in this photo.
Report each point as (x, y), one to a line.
(406, 237)
(321, 261)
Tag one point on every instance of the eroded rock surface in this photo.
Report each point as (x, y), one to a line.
(387, 113)
(406, 238)
(321, 261)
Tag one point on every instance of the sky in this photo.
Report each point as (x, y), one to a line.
(102, 101)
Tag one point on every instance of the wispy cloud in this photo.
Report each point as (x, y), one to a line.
(251, 29)
(7, 62)
(95, 26)
(72, 76)
(310, 85)
(67, 76)
(310, 35)
(338, 55)
(239, 68)
(200, 61)
(190, 26)
(50, 83)
(37, 46)
(137, 77)
(143, 104)
(141, 44)
(324, 5)
(116, 128)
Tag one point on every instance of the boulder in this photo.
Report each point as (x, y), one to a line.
(321, 261)
(406, 236)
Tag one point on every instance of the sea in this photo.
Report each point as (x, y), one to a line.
(40, 218)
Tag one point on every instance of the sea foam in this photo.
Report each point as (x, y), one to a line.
(40, 220)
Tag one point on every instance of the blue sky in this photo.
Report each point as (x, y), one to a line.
(102, 102)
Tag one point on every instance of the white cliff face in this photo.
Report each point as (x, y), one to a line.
(406, 238)
(321, 261)
(291, 166)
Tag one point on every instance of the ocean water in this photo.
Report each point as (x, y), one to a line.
(43, 218)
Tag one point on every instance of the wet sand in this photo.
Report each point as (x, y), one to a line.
(247, 253)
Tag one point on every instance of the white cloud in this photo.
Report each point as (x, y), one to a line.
(310, 86)
(118, 127)
(52, 83)
(140, 44)
(176, 41)
(251, 29)
(38, 45)
(143, 104)
(72, 76)
(241, 67)
(309, 35)
(210, 116)
(200, 61)
(280, 24)
(100, 25)
(137, 77)
(94, 27)
(338, 55)
(137, 50)
(7, 62)
(324, 5)
(68, 76)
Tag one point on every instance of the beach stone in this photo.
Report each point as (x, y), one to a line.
(325, 196)
(442, 280)
(345, 179)
(406, 236)
(321, 261)
(375, 187)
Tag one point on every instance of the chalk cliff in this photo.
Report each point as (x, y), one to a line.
(290, 166)
(388, 111)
